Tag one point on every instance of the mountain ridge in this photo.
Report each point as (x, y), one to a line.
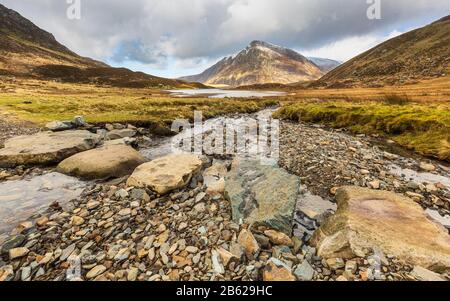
(260, 63)
(28, 51)
(419, 54)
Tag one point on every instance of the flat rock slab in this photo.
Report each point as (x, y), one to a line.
(368, 220)
(109, 161)
(167, 173)
(46, 148)
(262, 194)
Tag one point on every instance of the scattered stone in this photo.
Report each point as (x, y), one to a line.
(276, 270)
(96, 271)
(119, 134)
(67, 252)
(77, 220)
(57, 126)
(18, 253)
(335, 263)
(214, 178)
(423, 274)
(6, 273)
(249, 244)
(427, 166)
(12, 242)
(375, 184)
(227, 257)
(279, 238)
(217, 265)
(304, 272)
(41, 222)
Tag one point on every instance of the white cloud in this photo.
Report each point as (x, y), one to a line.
(348, 48)
(203, 30)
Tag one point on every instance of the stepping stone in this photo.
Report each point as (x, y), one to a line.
(110, 161)
(166, 174)
(46, 148)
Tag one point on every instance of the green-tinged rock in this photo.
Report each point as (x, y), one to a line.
(262, 194)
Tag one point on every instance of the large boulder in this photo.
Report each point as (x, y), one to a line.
(262, 194)
(369, 220)
(167, 173)
(46, 148)
(109, 161)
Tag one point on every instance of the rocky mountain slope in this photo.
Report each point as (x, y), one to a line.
(419, 54)
(24, 46)
(260, 63)
(29, 51)
(326, 65)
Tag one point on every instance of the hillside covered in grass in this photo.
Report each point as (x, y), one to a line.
(416, 55)
(28, 51)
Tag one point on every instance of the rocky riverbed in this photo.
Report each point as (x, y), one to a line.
(211, 218)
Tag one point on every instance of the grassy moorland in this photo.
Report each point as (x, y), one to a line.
(415, 116)
(40, 102)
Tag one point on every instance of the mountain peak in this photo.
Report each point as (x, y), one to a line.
(256, 43)
(260, 63)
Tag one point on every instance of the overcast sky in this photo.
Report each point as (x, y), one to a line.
(180, 37)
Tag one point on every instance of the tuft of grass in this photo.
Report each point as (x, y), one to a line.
(396, 100)
(424, 128)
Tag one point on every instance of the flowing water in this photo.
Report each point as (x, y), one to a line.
(164, 146)
(420, 177)
(22, 198)
(219, 93)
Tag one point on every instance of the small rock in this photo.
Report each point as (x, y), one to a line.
(217, 266)
(374, 184)
(276, 270)
(279, 238)
(304, 272)
(6, 273)
(423, 274)
(124, 212)
(191, 249)
(18, 253)
(427, 166)
(132, 274)
(227, 257)
(249, 244)
(335, 263)
(122, 193)
(96, 271)
(77, 220)
(12, 242)
(42, 221)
